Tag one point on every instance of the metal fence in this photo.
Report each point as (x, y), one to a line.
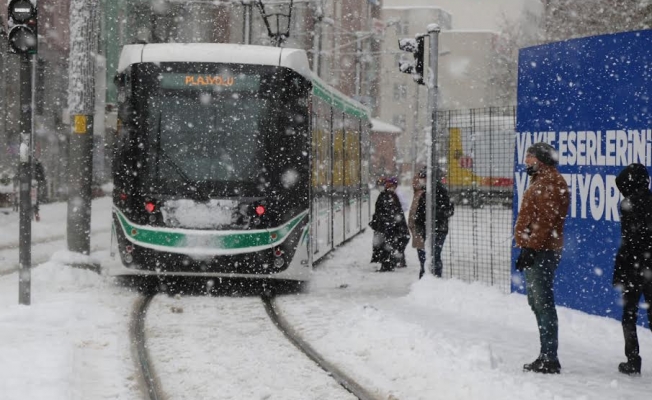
(477, 162)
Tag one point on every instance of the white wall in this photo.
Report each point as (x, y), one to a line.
(476, 14)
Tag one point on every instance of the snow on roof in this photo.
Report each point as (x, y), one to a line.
(453, 31)
(295, 59)
(384, 127)
(412, 8)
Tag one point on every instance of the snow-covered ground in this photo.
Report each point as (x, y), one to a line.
(401, 337)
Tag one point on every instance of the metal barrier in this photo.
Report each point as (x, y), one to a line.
(478, 170)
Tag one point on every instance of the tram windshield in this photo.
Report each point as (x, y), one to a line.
(217, 139)
(219, 128)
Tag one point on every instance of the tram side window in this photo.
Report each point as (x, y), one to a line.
(338, 151)
(352, 152)
(315, 145)
(365, 156)
(322, 162)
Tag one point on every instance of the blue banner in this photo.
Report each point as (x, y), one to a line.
(591, 99)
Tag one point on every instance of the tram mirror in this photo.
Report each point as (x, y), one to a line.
(119, 79)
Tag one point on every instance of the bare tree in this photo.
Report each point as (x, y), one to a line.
(514, 35)
(566, 19)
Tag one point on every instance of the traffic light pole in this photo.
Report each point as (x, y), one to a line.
(433, 176)
(25, 176)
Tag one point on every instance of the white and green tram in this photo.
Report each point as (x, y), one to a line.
(233, 161)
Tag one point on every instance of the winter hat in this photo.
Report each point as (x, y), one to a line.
(391, 182)
(544, 153)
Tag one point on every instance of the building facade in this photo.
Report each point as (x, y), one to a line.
(342, 37)
(471, 49)
(404, 103)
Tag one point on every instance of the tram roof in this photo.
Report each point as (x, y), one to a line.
(294, 59)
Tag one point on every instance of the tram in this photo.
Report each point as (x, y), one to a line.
(233, 161)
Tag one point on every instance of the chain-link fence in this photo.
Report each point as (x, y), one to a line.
(478, 168)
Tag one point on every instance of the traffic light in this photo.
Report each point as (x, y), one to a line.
(416, 47)
(23, 27)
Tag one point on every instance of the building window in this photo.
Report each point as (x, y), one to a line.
(403, 27)
(400, 91)
(399, 120)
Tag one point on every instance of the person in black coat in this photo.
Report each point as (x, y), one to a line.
(633, 264)
(444, 210)
(389, 221)
(379, 239)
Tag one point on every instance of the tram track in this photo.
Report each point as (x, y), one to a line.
(348, 383)
(153, 387)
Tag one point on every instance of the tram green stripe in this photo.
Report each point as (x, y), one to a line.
(337, 101)
(240, 240)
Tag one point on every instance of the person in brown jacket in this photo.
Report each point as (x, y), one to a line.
(539, 232)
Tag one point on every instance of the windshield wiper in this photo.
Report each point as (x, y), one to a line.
(201, 196)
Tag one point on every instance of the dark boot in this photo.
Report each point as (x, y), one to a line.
(543, 366)
(386, 266)
(631, 367)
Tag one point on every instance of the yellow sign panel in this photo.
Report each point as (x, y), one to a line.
(80, 124)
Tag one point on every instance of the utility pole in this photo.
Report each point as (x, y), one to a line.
(246, 23)
(358, 64)
(433, 176)
(317, 39)
(81, 105)
(23, 40)
(415, 130)
(25, 175)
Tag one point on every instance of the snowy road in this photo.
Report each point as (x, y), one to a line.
(395, 334)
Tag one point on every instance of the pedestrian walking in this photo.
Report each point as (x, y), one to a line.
(539, 232)
(633, 264)
(389, 221)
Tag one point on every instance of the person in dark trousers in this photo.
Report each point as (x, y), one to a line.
(38, 175)
(389, 221)
(633, 264)
(444, 210)
(539, 232)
